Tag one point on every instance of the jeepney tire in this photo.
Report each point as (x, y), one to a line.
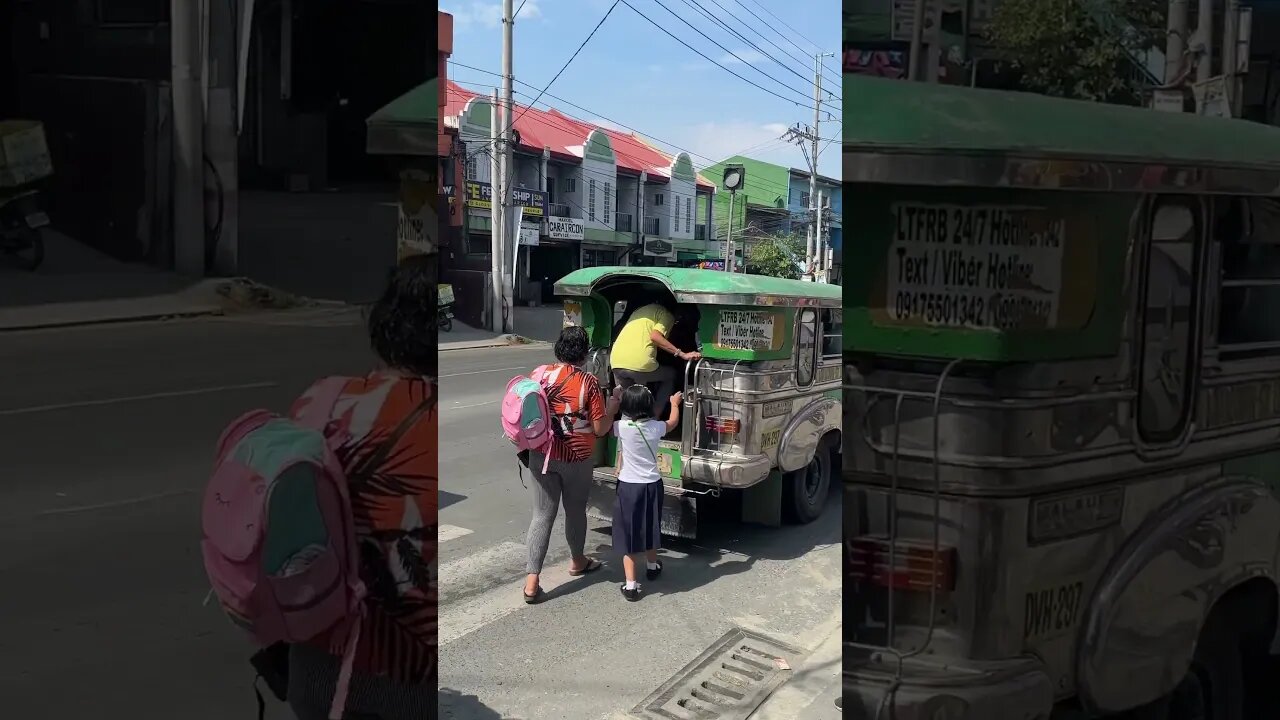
(803, 498)
(1213, 688)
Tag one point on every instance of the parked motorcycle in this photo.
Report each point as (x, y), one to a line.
(445, 307)
(22, 219)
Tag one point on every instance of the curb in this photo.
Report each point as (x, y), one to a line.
(500, 341)
(112, 320)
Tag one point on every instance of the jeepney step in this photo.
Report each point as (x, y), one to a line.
(728, 681)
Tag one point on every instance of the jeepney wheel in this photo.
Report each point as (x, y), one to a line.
(1213, 688)
(804, 491)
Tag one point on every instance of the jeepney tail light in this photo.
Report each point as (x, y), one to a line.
(723, 425)
(915, 564)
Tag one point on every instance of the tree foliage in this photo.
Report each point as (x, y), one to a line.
(1082, 49)
(776, 256)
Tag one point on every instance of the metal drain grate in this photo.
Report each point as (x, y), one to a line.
(728, 681)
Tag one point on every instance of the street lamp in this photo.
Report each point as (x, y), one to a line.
(734, 177)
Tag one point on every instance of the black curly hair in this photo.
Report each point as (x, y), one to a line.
(573, 346)
(402, 323)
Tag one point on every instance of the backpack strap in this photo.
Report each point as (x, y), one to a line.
(337, 710)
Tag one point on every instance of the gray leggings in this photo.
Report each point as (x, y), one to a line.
(567, 482)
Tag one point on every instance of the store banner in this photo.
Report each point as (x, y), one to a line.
(533, 202)
(563, 228)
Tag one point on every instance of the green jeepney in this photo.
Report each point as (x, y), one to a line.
(1062, 457)
(761, 410)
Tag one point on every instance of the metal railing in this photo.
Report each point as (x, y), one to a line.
(623, 222)
(651, 226)
(700, 232)
(558, 209)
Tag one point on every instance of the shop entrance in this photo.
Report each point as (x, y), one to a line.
(549, 263)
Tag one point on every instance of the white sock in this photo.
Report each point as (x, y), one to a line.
(632, 585)
(652, 565)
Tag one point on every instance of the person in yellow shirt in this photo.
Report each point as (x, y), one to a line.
(634, 357)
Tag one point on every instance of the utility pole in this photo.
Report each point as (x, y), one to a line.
(1176, 44)
(188, 138)
(820, 261)
(811, 239)
(1204, 29)
(728, 237)
(917, 40)
(1230, 46)
(509, 235)
(495, 213)
(802, 135)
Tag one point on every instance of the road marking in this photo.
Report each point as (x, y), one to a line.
(135, 398)
(479, 404)
(445, 533)
(457, 620)
(115, 503)
(482, 372)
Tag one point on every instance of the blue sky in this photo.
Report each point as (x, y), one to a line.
(633, 73)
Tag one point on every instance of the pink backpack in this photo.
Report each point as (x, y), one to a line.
(527, 420)
(279, 541)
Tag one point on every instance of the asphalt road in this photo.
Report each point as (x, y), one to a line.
(107, 435)
(586, 654)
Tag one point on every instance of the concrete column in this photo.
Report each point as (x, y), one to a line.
(188, 138)
(221, 137)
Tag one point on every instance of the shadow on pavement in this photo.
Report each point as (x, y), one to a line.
(448, 498)
(724, 547)
(456, 706)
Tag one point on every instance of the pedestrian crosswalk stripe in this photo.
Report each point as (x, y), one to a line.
(445, 533)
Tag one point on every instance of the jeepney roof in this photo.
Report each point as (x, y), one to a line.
(706, 287)
(928, 134)
(406, 125)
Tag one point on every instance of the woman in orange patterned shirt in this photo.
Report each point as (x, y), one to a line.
(391, 459)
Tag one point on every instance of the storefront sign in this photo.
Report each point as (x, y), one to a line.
(655, 248)
(747, 330)
(987, 267)
(417, 222)
(480, 195)
(563, 228)
(529, 236)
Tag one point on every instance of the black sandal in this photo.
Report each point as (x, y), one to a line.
(537, 596)
(592, 566)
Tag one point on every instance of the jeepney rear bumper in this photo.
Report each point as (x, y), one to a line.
(679, 508)
(965, 690)
(734, 472)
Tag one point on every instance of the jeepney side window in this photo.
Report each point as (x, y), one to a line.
(1168, 320)
(831, 331)
(1249, 316)
(807, 347)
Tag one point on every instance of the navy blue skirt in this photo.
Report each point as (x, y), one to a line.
(637, 517)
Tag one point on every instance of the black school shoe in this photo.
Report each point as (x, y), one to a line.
(630, 595)
(653, 574)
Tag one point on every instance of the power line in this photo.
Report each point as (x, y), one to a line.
(784, 24)
(708, 14)
(769, 25)
(727, 50)
(704, 57)
(563, 67)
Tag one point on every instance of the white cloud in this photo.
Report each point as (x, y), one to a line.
(748, 57)
(488, 15)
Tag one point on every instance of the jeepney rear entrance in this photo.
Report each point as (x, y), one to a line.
(761, 413)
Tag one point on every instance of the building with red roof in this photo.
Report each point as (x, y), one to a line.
(590, 195)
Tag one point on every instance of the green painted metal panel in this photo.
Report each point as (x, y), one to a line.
(780, 320)
(945, 119)
(710, 282)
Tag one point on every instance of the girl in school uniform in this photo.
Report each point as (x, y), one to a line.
(637, 517)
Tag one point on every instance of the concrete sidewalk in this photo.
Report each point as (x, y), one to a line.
(814, 686)
(537, 324)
